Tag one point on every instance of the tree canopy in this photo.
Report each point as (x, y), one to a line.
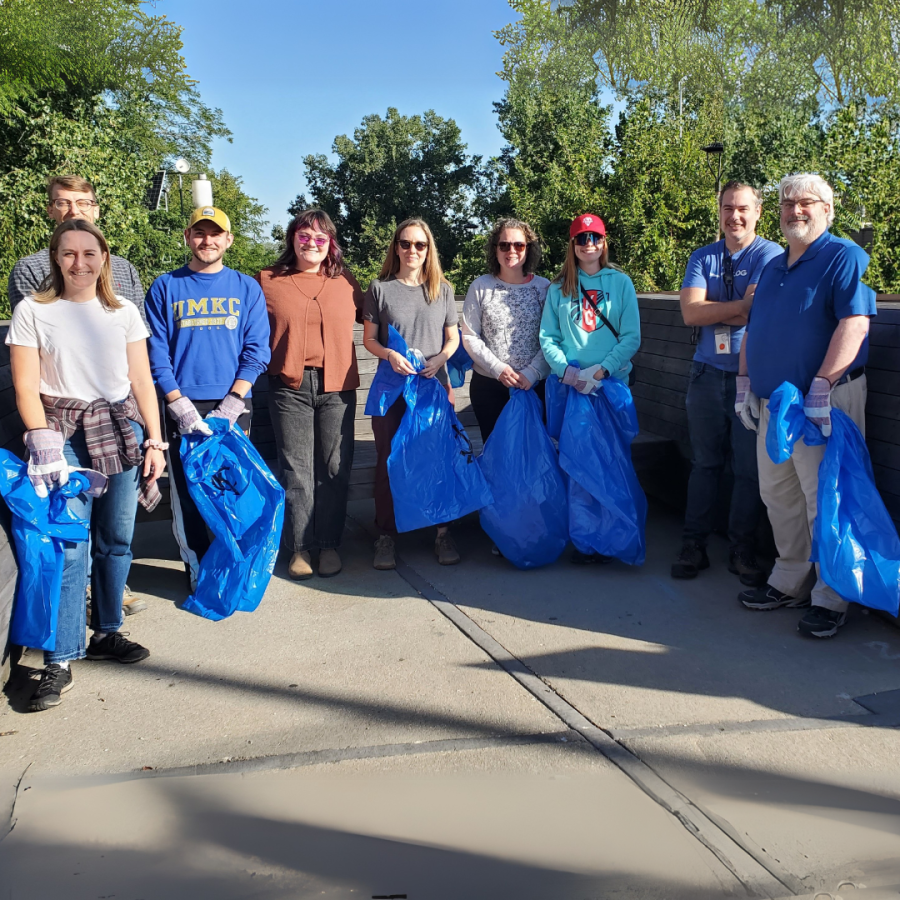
(395, 168)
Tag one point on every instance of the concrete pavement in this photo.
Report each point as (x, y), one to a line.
(569, 732)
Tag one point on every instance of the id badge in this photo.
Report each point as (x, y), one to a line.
(723, 339)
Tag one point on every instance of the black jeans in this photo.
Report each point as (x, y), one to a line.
(489, 397)
(314, 437)
(717, 433)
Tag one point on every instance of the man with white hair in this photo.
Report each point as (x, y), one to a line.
(808, 326)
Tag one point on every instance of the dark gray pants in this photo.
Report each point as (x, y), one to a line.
(314, 438)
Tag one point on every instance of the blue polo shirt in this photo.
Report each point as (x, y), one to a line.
(704, 270)
(796, 311)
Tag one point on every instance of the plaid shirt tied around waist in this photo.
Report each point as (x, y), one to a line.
(108, 434)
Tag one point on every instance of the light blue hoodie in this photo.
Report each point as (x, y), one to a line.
(571, 332)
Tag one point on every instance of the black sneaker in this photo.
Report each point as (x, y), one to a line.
(767, 597)
(114, 646)
(821, 623)
(691, 560)
(589, 559)
(742, 562)
(55, 681)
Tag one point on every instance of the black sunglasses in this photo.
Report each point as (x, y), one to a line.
(419, 245)
(727, 271)
(504, 246)
(589, 237)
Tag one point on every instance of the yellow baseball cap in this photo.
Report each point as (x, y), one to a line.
(211, 214)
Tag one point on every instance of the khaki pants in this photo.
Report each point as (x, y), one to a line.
(789, 491)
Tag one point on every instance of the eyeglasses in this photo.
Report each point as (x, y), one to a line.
(305, 239)
(83, 205)
(419, 245)
(589, 237)
(506, 246)
(804, 203)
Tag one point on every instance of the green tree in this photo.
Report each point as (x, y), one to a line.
(391, 169)
(558, 156)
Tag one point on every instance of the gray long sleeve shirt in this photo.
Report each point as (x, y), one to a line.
(30, 271)
(502, 324)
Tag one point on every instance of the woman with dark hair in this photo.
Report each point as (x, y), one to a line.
(591, 324)
(502, 322)
(85, 393)
(411, 294)
(313, 303)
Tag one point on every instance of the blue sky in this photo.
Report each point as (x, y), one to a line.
(290, 75)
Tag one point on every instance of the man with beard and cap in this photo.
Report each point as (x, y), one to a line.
(809, 326)
(716, 296)
(209, 341)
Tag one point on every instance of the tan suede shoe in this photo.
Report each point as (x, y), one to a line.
(300, 566)
(329, 563)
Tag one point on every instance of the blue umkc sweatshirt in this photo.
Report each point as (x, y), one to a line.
(573, 332)
(206, 331)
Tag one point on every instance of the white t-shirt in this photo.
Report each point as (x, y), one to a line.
(81, 345)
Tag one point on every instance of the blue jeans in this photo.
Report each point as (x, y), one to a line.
(112, 527)
(715, 433)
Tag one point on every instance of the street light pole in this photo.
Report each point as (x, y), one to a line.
(681, 107)
(716, 150)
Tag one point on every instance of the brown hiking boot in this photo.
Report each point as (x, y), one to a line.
(131, 603)
(384, 553)
(300, 566)
(329, 563)
(445, 550)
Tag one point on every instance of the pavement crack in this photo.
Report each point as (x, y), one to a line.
(760, 877)
(12, 807)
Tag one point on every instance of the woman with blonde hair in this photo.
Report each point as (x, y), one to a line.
(590, 327)
(411, 294)
(79, 364)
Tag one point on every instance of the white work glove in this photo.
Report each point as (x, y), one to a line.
(594, 376)
(189, 420)
(582, 379)
(817, 404)
(47, 467)
(746, 404)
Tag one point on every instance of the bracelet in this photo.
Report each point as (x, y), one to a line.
(151, 444)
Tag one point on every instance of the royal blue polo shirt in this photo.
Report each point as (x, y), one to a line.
(796, 311)
(704, 270)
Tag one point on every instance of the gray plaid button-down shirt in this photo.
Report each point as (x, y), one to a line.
(30, 271)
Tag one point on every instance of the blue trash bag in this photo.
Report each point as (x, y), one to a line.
(788, 423)
(432, 470)
(243, 506)
(387, 385)
(528, 520)
(607, 507)
(854, 540)
(459, 364)
(556, 394)
(40, 525)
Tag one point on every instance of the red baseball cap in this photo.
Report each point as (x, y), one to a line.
(587, 222)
